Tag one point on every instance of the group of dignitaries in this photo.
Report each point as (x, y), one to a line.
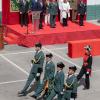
(50, 9)
(55, 83)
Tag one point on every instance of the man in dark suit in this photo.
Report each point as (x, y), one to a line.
(81, 12)
(38, 5)
(23, 10)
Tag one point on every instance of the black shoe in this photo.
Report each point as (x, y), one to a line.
(22, 94)
(81, 25)
(21, 25)
(85, 88)
(53, 27)
(40, 27)
(33, 96)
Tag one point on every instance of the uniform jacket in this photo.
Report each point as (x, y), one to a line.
(49, 71)
(73, 4)
(87, 62)
(82, 8)
(39, 57)
(59, 81)
(36, 6)
(23, 8)
(71, 87)
(53, 8)
(72, 82)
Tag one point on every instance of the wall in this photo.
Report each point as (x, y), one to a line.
(7, 16)
(0, 10)
(93, 9)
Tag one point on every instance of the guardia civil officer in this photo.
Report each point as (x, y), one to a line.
(48, 79)
(70, 85)
(81, 12)
(58, 82)
(36, 70)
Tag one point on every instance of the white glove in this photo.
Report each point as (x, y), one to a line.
(87, 72)
(38, 74)
(31, 65)
(61, 93)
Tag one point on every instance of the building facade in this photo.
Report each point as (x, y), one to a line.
(93, 9)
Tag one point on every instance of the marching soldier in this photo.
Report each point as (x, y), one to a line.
(86, 67)
(70, 84)
(23, 10)
(37, 67)
(81, 12)
(74, 7)
(58, 82)
(48, 77)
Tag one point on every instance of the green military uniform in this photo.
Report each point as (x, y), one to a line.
(53, 10)
(48, 76)
(74, 6)
(37, 64)
(58, 86)
(70, 87)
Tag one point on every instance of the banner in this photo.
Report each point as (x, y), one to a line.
(14, 5)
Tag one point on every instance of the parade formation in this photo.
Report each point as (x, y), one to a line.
(56, 82)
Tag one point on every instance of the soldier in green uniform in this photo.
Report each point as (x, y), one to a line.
(53, 10)
(36, 70)
(74, 7)
(48, 77)
(70, 84)
(58, 83)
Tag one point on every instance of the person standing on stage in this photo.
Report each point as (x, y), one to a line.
(48, 77)
(59, 11)
(58, 82)
(81, 12)
(36, 70)
(65, 7)
(23, 10)
(43, 9)
(74, 7)
(53, 10)
(70, 86)
(86, 67)
(47, 15)
(37, 6)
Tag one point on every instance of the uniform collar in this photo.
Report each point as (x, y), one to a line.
(69, 76)
(49, 61)
(38, 51)
(59, 71)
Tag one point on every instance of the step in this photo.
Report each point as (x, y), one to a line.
(9, 40)
(13, 36)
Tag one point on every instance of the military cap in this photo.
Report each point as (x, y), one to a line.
(49, 55)
(88, 47)
(38, 45)
(60, 65)
(73, 68)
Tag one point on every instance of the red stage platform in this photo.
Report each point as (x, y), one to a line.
(18, 35)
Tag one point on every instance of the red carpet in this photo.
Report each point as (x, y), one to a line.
(47, 35)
